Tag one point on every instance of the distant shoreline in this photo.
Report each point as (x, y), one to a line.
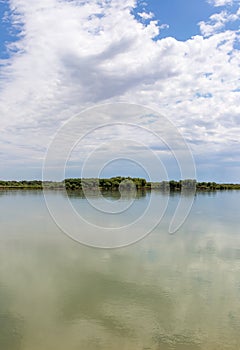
(117, 183)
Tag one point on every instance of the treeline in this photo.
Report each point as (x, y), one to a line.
(172, 185)
(114, 183)
(191, 184)
(118, 183)
(36, 184)
(209, 186)
(33, 184)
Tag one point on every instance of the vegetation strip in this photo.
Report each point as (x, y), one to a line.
(117, 183)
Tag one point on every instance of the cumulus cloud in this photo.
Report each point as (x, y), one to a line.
(75, 54)
(146, 15)
(218, 21)
(220, 2)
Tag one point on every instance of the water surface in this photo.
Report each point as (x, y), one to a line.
(165, 292)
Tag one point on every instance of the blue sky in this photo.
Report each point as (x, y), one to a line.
(9, 33)
(180, 58)
(182, 17)
(4, 31)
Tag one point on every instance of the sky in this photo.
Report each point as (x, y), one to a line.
(180, 58)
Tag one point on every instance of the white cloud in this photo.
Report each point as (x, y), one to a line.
(145, 15)
(221, 2)
(217, 22)
(73, 54)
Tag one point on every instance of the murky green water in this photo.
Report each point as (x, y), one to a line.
(166, 292)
